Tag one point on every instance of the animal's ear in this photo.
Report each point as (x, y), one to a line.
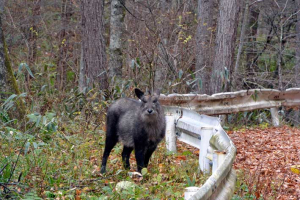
(139, 93)
(157, 92)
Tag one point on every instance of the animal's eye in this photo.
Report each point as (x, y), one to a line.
(155, 101)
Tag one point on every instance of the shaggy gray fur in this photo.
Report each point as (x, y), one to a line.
(139, 125)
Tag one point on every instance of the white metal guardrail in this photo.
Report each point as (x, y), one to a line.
(206, 133)
(231, 102)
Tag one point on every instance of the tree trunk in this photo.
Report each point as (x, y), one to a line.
(225, 42)
(205, 44)
(263, 26)
(251, 56)
(241, 45)
(33, 36)
(116, 36)
(278, 72)
(164, 61)
(93, 65)
(8, 83)
(3, 71)
(175, 4)
(64, 35)
(297, 66)
(81, 83)
(36, 12)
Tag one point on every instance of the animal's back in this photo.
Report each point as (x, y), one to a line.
(121, 106)
(120, 119)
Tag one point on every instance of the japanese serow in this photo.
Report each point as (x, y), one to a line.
(139, 125)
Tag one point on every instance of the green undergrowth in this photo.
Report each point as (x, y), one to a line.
(48, 162)
(57, 155)
(243, 189)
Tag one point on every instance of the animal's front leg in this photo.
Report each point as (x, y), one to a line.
(140, 156)
(126, 156)
(148, 154)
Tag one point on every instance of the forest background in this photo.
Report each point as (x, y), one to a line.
(62, 62)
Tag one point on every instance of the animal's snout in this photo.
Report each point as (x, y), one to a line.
(150, 111)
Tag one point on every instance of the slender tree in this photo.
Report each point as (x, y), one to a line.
(297, 66)
(35, 18)
(245, 22)
(163, 61)
(93, 57)
(205, 45)
(8, 83)
(3, 70)
(64, 36)
(33, 36)
(262, 26)
(117, 27)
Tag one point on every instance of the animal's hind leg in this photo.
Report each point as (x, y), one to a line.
(126, 156)
(111, 139)
(109, 145)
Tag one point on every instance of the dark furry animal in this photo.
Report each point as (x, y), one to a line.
(139, 125)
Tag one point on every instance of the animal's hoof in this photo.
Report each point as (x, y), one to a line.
(103, 170)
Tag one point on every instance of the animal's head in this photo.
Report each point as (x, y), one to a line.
(150, 107)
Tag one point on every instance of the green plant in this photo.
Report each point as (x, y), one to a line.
(8, 105)
(190, 182)
(45, 124)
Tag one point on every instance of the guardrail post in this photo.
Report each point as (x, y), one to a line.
(223, 119)
(170, 133)
(206, 133)
(190, 191)
(218, 159)
(275, 117)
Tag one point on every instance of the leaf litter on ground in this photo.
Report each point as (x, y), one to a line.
(265, 158)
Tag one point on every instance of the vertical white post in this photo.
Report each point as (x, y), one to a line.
(170, 133)
(222, 119)
(218, 159)
(275, 117)
(206, 133)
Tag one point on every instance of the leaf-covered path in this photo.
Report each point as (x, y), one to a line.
(264, 159)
